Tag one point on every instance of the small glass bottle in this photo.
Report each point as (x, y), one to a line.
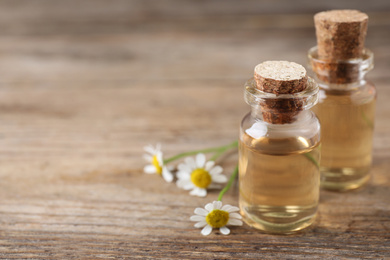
(279, 152)
(346, 105)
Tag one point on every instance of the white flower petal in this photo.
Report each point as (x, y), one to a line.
(235, 215)
(230, 208)
(209, 165)
(217, 204)
(201, 212)
(197, 218)
(209, 207)
(170, 168)
(167, 175)
(184, 168)
(206, 230)
(188, 186)
(150, 149)
(185, 184)
(190, 163)
(180, 183)
(198, 192)
(200, 224)
(183, 175)
(150, 169)
(234, 222)
(200, 160)
(224, 230)
(194, 192)
(219, 178)
(226, 207)
(216, 170)
(202, 192)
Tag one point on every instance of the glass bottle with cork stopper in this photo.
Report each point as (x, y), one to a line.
(346, 106)
(279, 173)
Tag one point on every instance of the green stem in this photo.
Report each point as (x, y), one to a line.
(209, 150)
(223, 150)
(368, 121)
(227, 187)
(216, 155)
(311, 158)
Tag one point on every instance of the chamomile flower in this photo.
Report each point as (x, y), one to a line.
(214, 215)
(155, 157)
(198, 175)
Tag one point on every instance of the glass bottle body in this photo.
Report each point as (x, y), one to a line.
(279, 172)
(347, 120)
(346, 112)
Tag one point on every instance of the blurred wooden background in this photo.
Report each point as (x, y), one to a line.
(84, 85)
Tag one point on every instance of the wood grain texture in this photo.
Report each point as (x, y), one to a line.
(86, 84)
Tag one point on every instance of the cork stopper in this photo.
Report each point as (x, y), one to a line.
(280, 77)
(340, 34)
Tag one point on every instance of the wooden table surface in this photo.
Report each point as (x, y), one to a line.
(85, 85)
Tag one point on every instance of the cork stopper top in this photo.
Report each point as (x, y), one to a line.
(280, 77)
(340, 34)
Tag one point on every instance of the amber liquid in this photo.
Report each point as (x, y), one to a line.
(346, 136)
(278, 192)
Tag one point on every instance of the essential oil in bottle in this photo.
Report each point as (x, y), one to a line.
(279, 153)
(346, 105)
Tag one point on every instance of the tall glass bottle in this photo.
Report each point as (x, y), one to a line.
(347, 115)
(346, 105)
(279, 150)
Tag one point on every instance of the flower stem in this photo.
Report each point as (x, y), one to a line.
(223, 150)
(227, 187)
(311, 158)
(218, 150)
(368, 121)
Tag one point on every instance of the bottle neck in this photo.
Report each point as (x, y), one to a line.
(342, 87)
(341, 74)
(280, 118)
(280, 109)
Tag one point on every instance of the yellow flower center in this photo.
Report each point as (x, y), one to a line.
(217, 218)
(157, 165)
(201, 178)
